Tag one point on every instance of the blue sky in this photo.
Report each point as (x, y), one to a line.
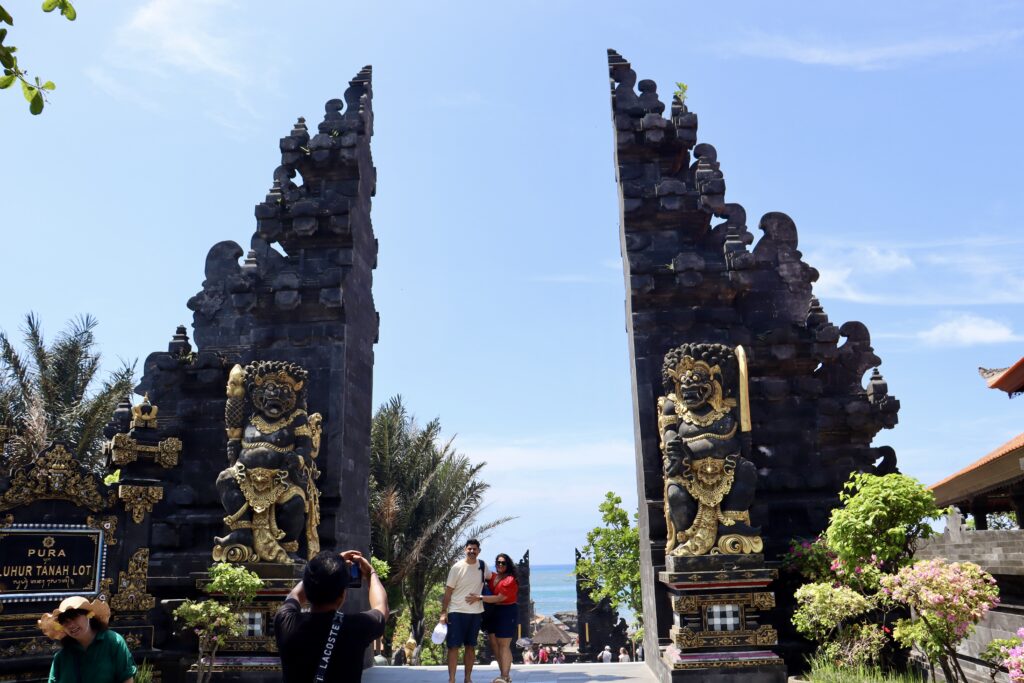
(890, 132)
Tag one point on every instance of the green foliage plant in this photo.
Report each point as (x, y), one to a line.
(947, 599)
(1014, 658)
(35, 89)
(996, 521)
(237, 584)
(609, 566)
(883, 517)
(823, 669)
(144, 672)
(51, 391)
(871, 536)
(214, 622)
(812, 560)
(823, 609)
(996, 653)
(680, 92)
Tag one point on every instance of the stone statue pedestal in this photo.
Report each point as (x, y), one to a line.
(253, 656)
(716, 634)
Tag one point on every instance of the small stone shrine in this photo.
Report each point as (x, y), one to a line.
(750, 407)
(597, 623)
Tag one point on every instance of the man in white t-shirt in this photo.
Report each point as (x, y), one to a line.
(463, 618)
(606, 654)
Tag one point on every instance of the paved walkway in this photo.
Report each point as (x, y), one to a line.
(636, 672)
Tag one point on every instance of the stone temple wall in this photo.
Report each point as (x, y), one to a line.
(301, 293)
(1001, 553)
(693, 273)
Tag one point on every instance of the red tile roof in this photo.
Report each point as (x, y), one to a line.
(1009, 380)
(995, 468)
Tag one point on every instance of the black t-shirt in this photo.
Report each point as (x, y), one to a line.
(301, 638)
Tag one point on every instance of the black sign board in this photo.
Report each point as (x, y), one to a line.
(47, 562)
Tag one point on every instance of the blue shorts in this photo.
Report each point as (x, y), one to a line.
(500, 620)
(463, 629)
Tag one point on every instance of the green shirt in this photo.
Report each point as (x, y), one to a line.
(107, 660)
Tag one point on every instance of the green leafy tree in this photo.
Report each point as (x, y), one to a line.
(883, 517)
(35, 89)
(609, 566)
(425, 502)
(48, 393)
(213, 621)
(996, 521)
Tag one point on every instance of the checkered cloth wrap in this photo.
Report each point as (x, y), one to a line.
(723, 617)
(253, 623)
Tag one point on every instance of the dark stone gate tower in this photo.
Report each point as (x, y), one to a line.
(300, 294)
(692, 278)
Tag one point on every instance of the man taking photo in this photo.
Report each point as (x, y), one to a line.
(324, 644)
(463, 618)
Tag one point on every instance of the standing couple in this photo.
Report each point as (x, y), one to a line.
(471, 585)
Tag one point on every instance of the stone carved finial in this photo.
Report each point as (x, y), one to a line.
(179, 344)
(269, 489)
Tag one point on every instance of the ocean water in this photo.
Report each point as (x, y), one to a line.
(553, 589)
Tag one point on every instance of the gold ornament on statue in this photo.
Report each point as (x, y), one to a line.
(709, 485)
(269, 489)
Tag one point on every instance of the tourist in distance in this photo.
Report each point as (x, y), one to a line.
(606, 655)
(500, 620)
(323, 644)
(404, 655)
(529, 657)
(623, 655)
(91, 653)
(463, 617)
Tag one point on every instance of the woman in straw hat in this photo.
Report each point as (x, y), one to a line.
(92, 653)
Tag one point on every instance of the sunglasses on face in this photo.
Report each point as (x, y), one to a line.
(68, 616)
(500, 563)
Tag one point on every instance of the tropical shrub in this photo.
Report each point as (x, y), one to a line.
(828, 614)
(947, 599)
(1014, 661)
(214, 622)
(883, 517)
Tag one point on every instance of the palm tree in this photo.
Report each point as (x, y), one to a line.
(47, 393)
(424, 503)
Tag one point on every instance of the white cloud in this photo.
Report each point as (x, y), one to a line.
(968, 330)
(837, 268)
(831, 52)
(168, 49)
(968, 272)
(184, 34)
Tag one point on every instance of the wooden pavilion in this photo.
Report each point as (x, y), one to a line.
(994, 483)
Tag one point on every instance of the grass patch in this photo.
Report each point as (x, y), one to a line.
(824, 671)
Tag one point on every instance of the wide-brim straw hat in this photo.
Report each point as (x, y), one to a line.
(95, 609)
